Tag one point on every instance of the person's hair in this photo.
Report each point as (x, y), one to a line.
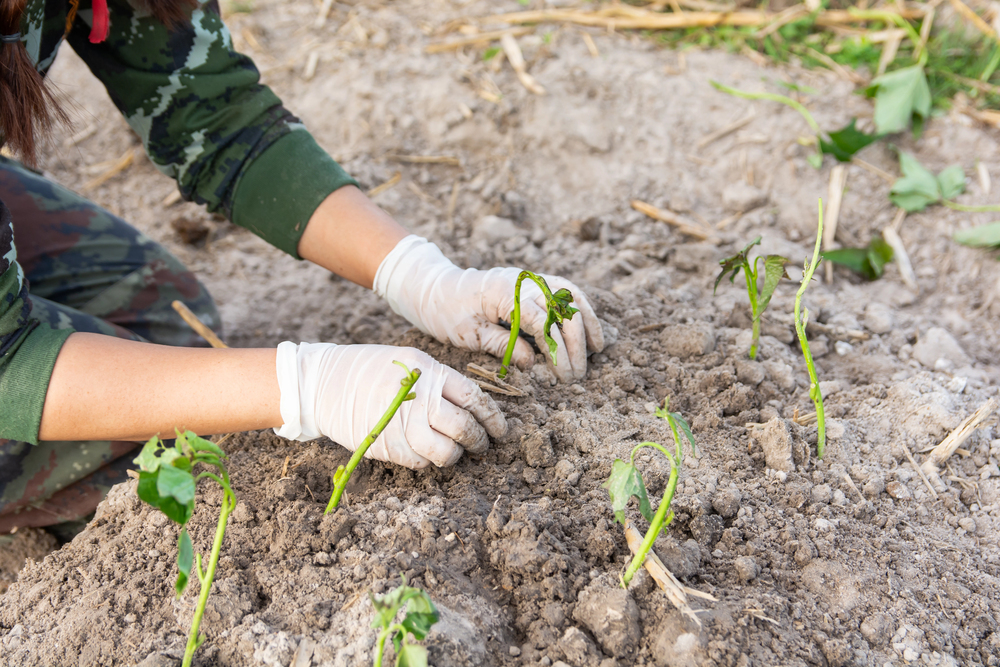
(27, 106)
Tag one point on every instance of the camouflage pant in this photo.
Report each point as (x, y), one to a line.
(89, 271)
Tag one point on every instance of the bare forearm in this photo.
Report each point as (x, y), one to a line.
(105, 388)
(350, 236)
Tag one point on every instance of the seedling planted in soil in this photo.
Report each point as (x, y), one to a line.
(166, 481)
(869, 262)
(625, 482)
(774, 271)
(557, 311)
(801, 319)
(420, 615)
(918, 188)
(343, 474)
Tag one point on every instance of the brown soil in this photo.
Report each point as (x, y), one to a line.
(844, 561)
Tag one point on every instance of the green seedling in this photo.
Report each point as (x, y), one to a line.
(774, 271)
(420, 615)
(167, 482)
(869, 261)
(625, 482)
(343, 473)
(801, 319)
(984, 236)
(901, 97)
(841, 144)
(558, 311)
(918, 188)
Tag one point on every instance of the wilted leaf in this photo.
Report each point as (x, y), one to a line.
(917, 188)
(774, 271)
(735, 263)
(185, 559)
(624, 483)
(900, 96)
(844, 143)
(985, 236)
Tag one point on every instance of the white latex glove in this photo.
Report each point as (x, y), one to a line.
(341, 391)
(464, 307)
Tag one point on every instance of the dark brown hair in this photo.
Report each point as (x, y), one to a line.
(27, 106)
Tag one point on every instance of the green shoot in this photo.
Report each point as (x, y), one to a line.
(625, 482)
(774, 271)
(166, 481)
(918, 188)
(801, 319)
(869, 262)
(558, 310)
(421, 614)
(842, 143)
(343, 474)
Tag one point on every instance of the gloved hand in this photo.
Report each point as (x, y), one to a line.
(341, 391)
(464, 307)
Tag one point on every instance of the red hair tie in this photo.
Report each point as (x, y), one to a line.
(99, 29)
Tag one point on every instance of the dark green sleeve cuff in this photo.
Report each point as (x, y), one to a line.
(279, 192)
(24, 380)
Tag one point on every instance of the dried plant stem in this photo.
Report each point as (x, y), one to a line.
(938, 456)
(801, 318)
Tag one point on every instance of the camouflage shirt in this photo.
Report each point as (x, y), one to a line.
(204, 119)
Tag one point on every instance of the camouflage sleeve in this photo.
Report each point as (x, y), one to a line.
(207, 122)
(28, 349)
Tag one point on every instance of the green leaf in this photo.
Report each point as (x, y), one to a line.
(686, 429)
(869, 261)
(148, 492)
(815, 160)
(917, 188)
(149, 458)
(774, 271)
(176, 483)
(200, 444)
(844, 143)
(411, 655)
(421, 614)
(899, 97)
(984, 236)
(624, 483)
(735, 263)
(185, 559)
(951, 182)
(490, 53)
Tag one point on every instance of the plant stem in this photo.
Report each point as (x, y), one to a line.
(343, 473)
(970, 209)
(751, 276)
(228, 505)
(772, 97)
(800, 327)
(382, 637)
(659, 520)
(515, 317)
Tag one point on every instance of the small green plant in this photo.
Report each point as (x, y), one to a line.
(918, 188)
(774, 271)
(984, 236)
(558, 311)
(343, 473)
(420, 615)
(869, 261)
(801, 319)
(167, 481)
(625, 482)
(841, 144)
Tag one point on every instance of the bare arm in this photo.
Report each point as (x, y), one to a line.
(105, 388)
(350, 236)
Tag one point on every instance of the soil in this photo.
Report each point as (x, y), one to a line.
(848, 560)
